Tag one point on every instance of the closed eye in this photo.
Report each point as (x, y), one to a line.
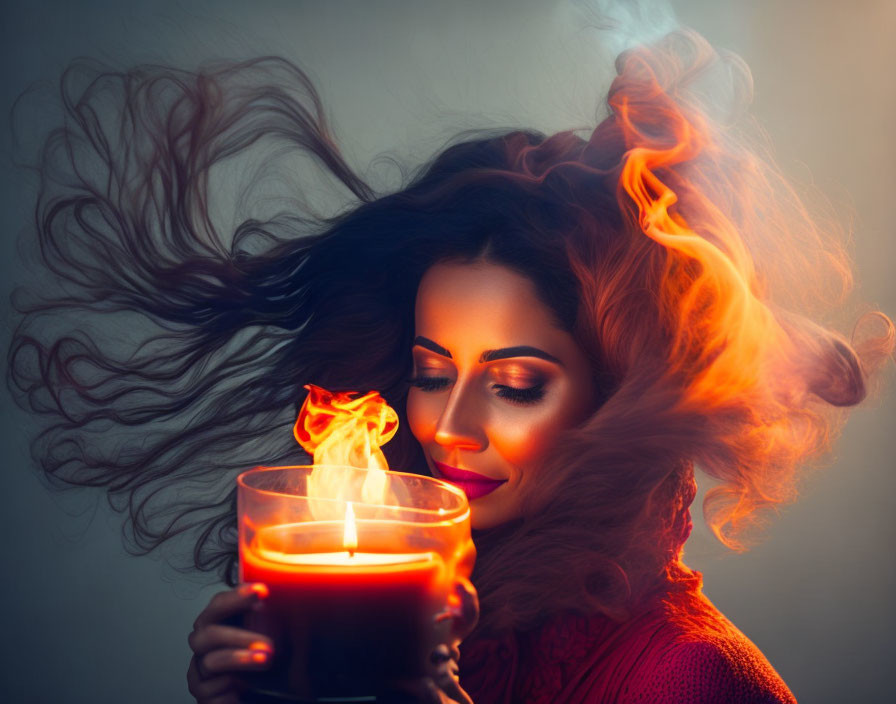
(430, 383)
(521, 397)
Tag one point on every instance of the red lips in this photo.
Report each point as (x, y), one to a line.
(472, 484)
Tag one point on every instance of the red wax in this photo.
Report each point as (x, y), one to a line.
(343, 625)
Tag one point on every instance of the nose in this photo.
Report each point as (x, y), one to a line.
(460, 426)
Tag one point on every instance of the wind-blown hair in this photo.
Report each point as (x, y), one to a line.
(667, 248)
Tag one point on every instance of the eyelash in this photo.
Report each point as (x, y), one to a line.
(521, 397)
(429, 383)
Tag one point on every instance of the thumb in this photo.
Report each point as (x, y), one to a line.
(463, 605)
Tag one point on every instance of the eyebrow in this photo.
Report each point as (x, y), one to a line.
(431, 346)
(491, 355)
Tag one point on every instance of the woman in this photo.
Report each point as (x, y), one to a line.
(564, 325)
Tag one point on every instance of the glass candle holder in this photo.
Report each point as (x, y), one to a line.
(355, 604)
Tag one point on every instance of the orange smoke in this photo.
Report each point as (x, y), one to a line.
(756, 374)
(719, 326)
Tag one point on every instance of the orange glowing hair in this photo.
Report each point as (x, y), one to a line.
(740, 258)
(699, 303)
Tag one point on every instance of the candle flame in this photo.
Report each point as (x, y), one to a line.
(350, 534)
(347, 429)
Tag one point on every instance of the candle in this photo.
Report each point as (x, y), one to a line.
(352, 603)
(349, 621)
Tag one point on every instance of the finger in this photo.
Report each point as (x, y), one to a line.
(220, 686)
(231, 698)
(421, 691)
(216, 637)
(449, 685)
(194, 679)
(468, 611)
(230, 603)
(431, 694)
(443, 673)
(439, 656)
(232, 660)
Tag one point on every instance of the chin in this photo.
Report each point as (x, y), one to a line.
(479, 522)
(487, 513)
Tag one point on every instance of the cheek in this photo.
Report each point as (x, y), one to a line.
(423, 412)
(523, 439)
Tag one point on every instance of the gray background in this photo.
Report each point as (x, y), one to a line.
(84, 622)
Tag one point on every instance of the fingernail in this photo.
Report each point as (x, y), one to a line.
(259, 656)
(260, 589)
(261, 646)
(443, 616)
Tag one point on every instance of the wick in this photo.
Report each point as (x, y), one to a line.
(351, 553)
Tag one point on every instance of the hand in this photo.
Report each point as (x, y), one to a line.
(222, 651)
(444, 686)
(462, 614)
(441, 685)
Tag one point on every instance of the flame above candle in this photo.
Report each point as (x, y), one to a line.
(345, 429)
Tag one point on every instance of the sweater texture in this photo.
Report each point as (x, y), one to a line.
(678, 650)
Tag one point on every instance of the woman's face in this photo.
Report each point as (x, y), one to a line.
(495, 380)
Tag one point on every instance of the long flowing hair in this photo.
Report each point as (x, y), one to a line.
(166, 353)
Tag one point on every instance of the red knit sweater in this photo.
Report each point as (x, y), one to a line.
(680, 651)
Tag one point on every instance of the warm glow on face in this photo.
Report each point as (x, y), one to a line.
(495, 381)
